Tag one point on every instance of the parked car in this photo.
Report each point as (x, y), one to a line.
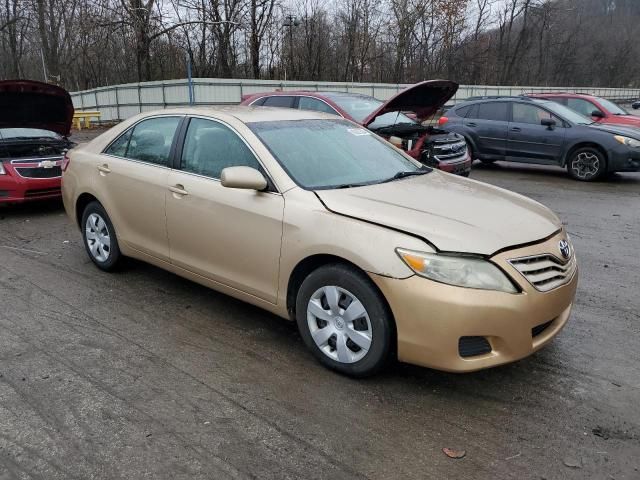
(600, 110)
(399, 119)
(314, 218)
(636, 105)
(35, 121)
(527, 130)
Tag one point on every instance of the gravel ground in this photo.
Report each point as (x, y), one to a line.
(142, 374)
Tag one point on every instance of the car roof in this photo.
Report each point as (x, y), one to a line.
(561, 94)
(312, 93)
(247, 114)
(503, 99)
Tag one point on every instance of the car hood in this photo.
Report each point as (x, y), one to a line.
(30, 104)
(452, 213)
(616, 129)
(424, 99)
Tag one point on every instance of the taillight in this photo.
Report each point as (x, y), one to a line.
(65, 162)
(442, 121)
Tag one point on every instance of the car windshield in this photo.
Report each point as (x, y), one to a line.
(613, 108)
(360, 107)
(321, 154)
(14, 133)
(568, 114)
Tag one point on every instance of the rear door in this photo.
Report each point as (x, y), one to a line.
(131, 180)
(228, 235)
(487, 124)
(529, 140)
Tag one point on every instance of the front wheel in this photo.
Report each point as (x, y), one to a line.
(344, 321)
(100, 238)
(586, 164)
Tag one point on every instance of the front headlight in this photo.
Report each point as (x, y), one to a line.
(629, 142)
(462, 271)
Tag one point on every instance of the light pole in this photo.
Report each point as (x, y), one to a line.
(290, 22)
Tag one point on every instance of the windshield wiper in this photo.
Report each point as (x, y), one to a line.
(399, 175)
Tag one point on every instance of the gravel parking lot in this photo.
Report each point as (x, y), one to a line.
(142, 374)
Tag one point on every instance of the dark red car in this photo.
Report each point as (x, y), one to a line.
(598, 109)
(35, 121)
(431, 145)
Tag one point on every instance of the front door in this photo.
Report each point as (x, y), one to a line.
(529, 140)
(228, 235)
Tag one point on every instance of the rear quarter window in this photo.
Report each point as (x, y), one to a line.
(279, 101)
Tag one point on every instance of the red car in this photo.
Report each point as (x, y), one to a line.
(430, 145)
(35, 121)
(598, 109)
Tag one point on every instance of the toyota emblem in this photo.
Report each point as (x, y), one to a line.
(565, 250)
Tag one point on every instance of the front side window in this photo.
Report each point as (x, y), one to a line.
(209, 147)
(496, 111)
(308, 103)
(525, 113)
(336, 153)
(583, 107)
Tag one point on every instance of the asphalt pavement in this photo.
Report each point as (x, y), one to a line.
(142, 374)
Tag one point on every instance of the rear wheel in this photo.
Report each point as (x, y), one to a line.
(586, 164)
(100, 237)
(344, 321)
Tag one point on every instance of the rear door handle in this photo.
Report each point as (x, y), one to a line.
(516, 129)
(104, 169)
(178, 190)
(471, 124)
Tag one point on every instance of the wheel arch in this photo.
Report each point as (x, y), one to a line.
(579, 145)
(312, 263)
(81, 203)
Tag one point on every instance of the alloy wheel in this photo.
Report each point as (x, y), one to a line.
(585, 165)
(98, 237)
(339, 324)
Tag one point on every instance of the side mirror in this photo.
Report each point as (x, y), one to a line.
(245, 178)
(597, 114)
(548, 122)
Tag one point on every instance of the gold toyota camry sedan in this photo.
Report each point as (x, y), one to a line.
(318, 220)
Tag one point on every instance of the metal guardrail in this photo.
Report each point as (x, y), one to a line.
(118, 102)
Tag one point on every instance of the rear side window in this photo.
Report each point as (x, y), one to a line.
(119, 147)
(463, 111)
(308, 103)
(496, 111)
(259, 102)
(279, 101)
(151, 140)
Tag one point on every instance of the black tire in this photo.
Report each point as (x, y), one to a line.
(379, 325)
(586, 164)
(113, 258)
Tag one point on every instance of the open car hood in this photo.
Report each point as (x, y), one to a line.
(30, 104)
(452, 213)
(424, 99)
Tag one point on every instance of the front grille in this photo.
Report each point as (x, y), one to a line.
(42, 192)
(39, 172)
(545, 272)
(473, 346)
(537, 330)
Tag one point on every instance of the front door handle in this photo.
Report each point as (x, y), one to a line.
(178, 190)
(104, 169)
(516, 129)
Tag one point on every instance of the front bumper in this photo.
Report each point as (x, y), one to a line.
(624, 159)
(431, 317)
(15, 188)
(458, 167)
